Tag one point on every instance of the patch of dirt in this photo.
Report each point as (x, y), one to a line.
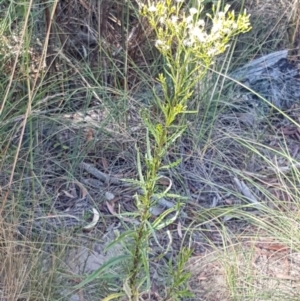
(254, 270)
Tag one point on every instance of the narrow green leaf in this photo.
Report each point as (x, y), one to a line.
(162, 222)
(126, 288)
(139, 166)
(121, 237)
(111, 262)
(113, 296)
(149, 155)
(172, 165)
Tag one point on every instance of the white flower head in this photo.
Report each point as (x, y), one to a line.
(212, 51)
(162, 20)
(200, 23)
(221, 15)
(193, 11)
(202, 38)
(217, 26)
(189, 20)
(174, 19)
(234, 26)
(188, 42)
(152, 8)
(160, 44)
(227, 31)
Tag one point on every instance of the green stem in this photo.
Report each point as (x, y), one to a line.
(146, 201)
(137, 255)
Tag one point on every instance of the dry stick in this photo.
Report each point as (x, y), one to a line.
(99, 174)
(244, 189)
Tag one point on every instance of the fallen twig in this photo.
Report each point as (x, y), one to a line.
(244, 189)
(99, 174)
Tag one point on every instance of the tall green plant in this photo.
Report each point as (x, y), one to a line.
(189, 45)
(188, 41)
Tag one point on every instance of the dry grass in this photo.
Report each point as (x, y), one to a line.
(86, 79)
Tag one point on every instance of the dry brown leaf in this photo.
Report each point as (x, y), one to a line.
(69, 195)
(104, 163)
(272, 246)
(110, 208)
(113, 212)
(164, 181)
(89, 135)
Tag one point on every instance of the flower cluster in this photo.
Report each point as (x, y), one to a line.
(189, 30)
(189, 40)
